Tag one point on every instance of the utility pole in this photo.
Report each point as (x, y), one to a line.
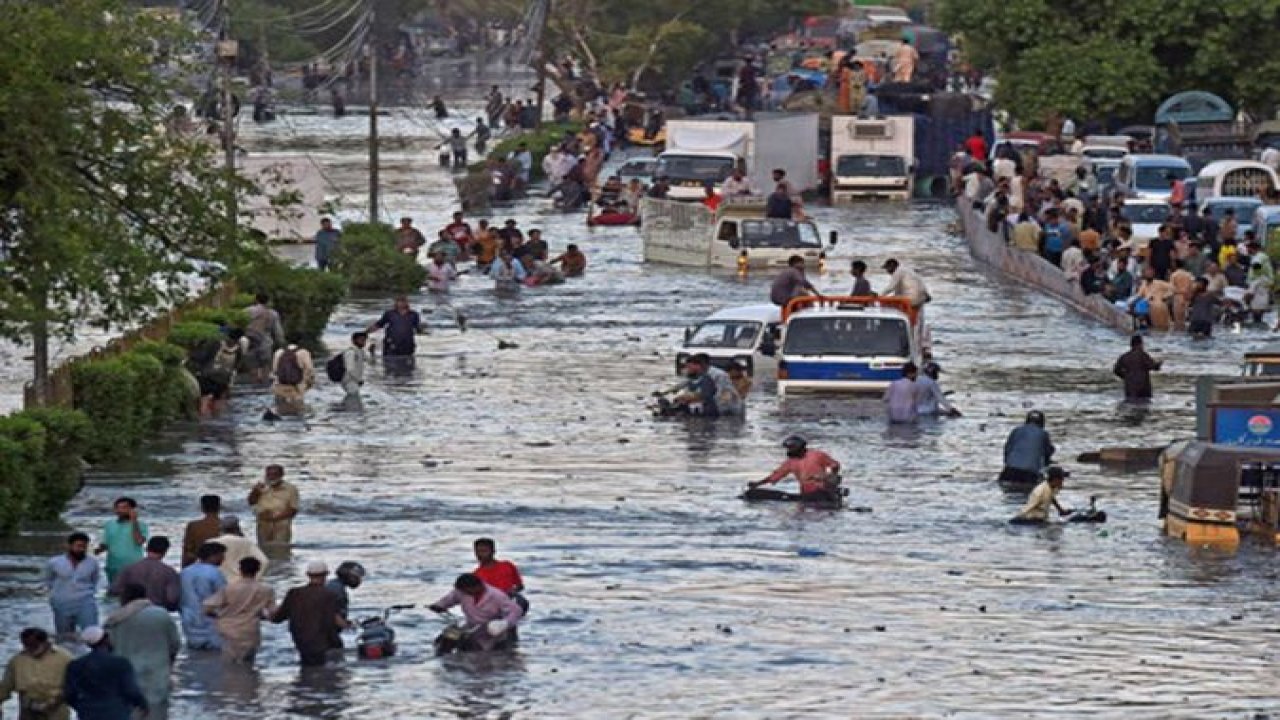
(228, 50)
(373, 118)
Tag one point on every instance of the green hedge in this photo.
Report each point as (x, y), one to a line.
(367, 257)
(128, 397)
(193, 335)
(304, 297)
(21, 450)
(236, 318)
(58, 474)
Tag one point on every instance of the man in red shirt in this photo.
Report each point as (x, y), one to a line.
(460, 232)
(977, 147)
(816, 471)
(712, 200)
(501, 575)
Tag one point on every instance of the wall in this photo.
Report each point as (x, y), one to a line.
(1035, 271)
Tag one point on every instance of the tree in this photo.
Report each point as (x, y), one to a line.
(107, 211)
(1095, 60)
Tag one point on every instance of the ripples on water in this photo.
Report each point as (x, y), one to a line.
(655, 592)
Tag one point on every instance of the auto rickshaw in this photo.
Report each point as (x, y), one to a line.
(1211, 492)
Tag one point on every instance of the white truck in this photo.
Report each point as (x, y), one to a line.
(701, 151)
(872, 157)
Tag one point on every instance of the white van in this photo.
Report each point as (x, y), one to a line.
(1149, 176)
(748, 335)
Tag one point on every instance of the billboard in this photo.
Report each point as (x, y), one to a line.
(1247, 426)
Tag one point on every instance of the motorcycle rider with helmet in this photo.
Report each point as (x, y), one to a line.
(348, 575)
(1027, 452)
(817, 472)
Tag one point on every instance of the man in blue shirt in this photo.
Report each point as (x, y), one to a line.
(326, 243)
(71, 580)
(402, 325)
(123, 538)
(1055, 237)
(1027, 451)
(199, 583)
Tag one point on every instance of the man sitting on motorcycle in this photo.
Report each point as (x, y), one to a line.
(698, 396)
(817, 472)
(491, 615)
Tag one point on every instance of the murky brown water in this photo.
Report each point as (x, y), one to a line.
(655, 592)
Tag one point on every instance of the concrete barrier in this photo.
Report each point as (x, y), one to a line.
(1033, 270)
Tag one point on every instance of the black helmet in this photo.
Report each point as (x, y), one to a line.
(351, 573)
(1035, 417)
(795, 446)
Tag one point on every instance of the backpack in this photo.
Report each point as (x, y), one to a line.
(336, 368)
(289, 370)
(225, 363)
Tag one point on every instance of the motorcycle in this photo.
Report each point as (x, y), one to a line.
(377, 639)
(1090, 514)
(458, 636)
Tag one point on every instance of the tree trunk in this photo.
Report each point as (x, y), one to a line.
(40, 343)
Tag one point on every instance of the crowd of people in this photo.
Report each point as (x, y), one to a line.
(1197, 271)
(262, 353)
(221, 599)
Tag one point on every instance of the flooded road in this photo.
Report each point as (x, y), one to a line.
(655, 592)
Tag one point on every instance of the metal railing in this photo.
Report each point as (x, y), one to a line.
(59, 390)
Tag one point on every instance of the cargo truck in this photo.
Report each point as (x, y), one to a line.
(872, 157)
(702, 151)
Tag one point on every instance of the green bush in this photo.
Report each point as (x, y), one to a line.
(57, 475)
(126, 398)
(222, 317)
(539, 141)
(367, 257)
(16, 483)
(193, 335)
(242, 300)
(304, 297)
(175, 397)
(22, 447)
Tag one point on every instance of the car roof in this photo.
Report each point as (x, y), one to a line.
(1152, 159)
(881, 312)
(757, 313)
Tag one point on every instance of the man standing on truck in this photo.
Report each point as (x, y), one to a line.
(791, 283)
(738, 184)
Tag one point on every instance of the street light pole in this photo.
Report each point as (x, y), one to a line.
(373, 119)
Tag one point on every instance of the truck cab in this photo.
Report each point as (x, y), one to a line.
(846, 344)
(872, 158)
(747, 240)
(689, 171)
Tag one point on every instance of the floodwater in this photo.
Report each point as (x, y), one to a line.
(657, 594)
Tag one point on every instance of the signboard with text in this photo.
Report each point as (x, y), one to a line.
(1247, 426)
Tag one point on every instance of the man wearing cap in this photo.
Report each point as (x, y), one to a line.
(313, 617)
(1036, 511)
(238, 548)
(199, 583)
(100, 685)
(36, 674)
